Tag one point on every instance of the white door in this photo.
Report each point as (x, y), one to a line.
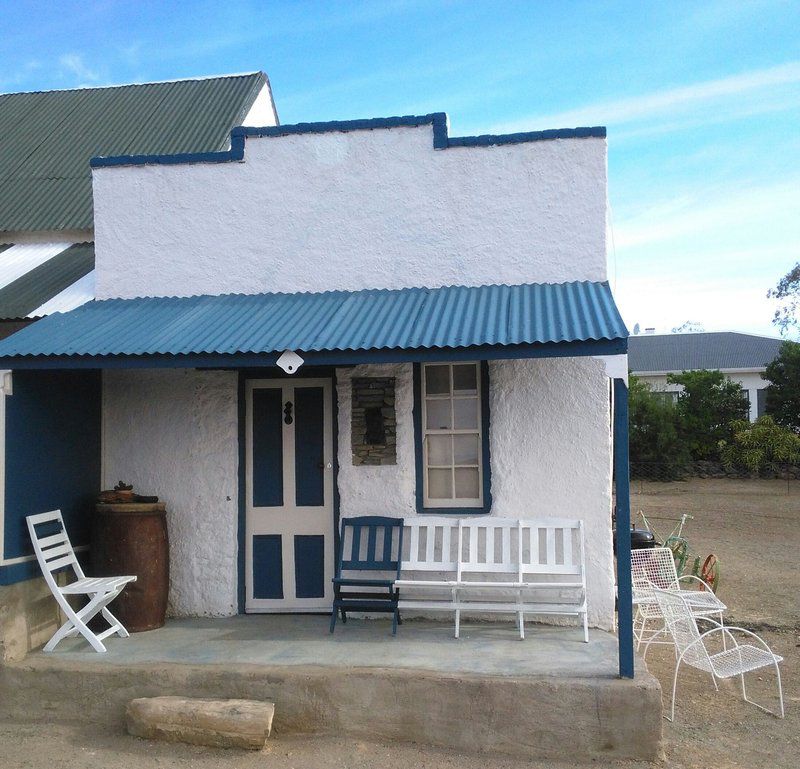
(289, 530)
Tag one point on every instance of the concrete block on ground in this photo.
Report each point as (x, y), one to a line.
(218, 723)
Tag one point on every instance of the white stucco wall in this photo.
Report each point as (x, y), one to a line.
(385, 489)
(262, 112)
(751, 381)
(550, 447)
(361, 209)
(174, 433)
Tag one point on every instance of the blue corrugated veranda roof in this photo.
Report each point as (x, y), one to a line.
(373, 319)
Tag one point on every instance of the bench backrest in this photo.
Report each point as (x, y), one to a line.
(430, 543)
(488, 545)
(52, 546)
(370, 543)
(552, 546)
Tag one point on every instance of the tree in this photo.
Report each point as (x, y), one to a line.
(783, 394)
(689, 327)
(705, 409)
(761, 445)
(653, 434)
(787, 292)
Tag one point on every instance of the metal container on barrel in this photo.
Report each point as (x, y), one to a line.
(131, 538)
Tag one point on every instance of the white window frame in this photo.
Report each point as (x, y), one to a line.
(452, 502)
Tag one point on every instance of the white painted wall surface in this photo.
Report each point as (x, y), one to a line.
(362, 209)
(262, 113)
(372, 489)
(751, 381)
(550, 446)
(174, 433)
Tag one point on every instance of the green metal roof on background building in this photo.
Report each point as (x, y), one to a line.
(22, 296)
(451, 317)
(48, 137)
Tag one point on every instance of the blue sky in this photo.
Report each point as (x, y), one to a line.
(701, 99)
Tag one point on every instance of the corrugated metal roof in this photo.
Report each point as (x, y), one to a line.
(31, 290)
(47, 139)
(74, 295)
(410, 318)
(708, 350)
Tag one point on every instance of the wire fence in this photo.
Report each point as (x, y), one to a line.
(664, 472)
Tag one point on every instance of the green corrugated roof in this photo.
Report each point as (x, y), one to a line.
(23, 295)
(48, 137)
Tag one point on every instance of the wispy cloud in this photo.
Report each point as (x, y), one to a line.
(706, 211)
(660, 104)
(73, 66)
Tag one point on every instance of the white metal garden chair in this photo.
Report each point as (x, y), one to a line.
(734, 659)
(54, 553)
(655, 568)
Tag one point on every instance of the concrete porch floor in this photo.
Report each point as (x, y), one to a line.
(487, 648)
(549, 695)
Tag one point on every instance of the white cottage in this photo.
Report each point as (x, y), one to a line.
(337, 319)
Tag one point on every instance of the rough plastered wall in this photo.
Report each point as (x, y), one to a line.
(378, 489)
(550, 455)
(363, 209)
(174, 433)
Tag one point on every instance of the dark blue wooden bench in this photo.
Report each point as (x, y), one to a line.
(368, 545)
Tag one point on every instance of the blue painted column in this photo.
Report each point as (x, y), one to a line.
(623, 499)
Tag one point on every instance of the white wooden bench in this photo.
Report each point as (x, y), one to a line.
(495, 565)
(429, 564)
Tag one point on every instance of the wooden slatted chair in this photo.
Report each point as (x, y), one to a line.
(55, 553)
(368, 545)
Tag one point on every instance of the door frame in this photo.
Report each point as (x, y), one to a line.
(309, 372)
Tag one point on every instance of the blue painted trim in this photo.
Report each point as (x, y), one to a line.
(268, 566)
(438, 121)
(19, 572)
(242, 495)
(419, 495)
(321, 358)
(623, 524)
(309, 565)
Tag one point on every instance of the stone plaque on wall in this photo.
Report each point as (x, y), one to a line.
(374, 428)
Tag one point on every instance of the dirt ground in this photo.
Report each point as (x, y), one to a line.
(751, 525)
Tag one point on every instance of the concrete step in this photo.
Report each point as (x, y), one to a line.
(218, 723)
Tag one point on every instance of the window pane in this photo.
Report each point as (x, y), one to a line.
(466, 483)
(465, 413)
(440, 450)
(437, 380)
(438, 414)
(440, 484)
(465, 378)
(465, 449)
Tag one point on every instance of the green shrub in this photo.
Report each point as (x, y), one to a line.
(708, 405)
(653, 434)
(759, 446)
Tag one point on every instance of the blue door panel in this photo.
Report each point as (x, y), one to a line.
(309, 565)
(267, 447)
(309, 451)
(267, 566)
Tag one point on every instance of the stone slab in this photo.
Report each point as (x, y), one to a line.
(232, 723)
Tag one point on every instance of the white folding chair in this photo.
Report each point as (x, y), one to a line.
(54, 552)
(655, 568)
(734, 659)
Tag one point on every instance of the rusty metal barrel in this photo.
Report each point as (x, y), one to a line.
(131, 538)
